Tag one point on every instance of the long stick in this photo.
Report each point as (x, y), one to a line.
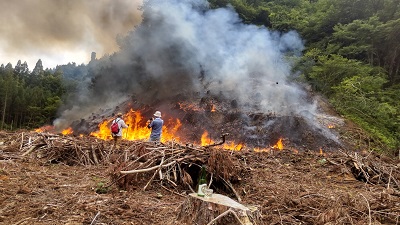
(33, 148)
(147, 169)
(95, 217)
(22, 141)
(369, 210)
(224, 214)
(233, 189)
(158, 170)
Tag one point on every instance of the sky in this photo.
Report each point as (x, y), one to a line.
(62, 31)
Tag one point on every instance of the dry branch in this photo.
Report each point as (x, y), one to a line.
(147, 169)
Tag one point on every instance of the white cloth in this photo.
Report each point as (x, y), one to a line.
(121, 124)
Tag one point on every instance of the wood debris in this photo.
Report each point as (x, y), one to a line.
(305, 187)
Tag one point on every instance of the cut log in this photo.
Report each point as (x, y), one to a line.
(217, 210)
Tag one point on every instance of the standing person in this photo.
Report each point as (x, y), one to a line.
(156, 127)
(118, 134)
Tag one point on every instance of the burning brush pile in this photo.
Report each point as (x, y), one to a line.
(208, 120)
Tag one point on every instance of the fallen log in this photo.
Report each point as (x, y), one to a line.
(217, 210)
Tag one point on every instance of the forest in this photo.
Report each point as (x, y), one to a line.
(351, 56)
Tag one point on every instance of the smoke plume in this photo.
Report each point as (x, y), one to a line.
(186, 47)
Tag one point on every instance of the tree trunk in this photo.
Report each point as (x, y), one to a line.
(4, 111)
(216, 210)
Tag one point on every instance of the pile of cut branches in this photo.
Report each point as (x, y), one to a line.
(173, 165)
(57, 148)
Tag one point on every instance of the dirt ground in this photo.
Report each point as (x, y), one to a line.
(287, 187)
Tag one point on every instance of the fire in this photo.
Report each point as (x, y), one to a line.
(331, 126)
(213, 108)
(67, 131)
(261, 149)
(278, 145)
(233, 146)
(137, 129)
(104, 130)
(206, 140)
(44, 129)
(170, 134)
(322, 152)
(39, 130)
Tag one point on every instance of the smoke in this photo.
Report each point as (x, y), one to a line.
(183, 46)
(54, 30)
(179, 41)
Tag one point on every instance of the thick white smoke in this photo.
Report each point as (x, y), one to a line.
(184, 46)
(246, 62)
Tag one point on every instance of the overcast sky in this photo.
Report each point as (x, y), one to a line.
(63, 31)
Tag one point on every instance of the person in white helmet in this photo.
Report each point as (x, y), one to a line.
(156, 127)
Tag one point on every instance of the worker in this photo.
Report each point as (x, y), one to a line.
(119, 123)
(155, 124)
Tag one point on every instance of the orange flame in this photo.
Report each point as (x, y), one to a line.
(104, 131)
(67, 131)
(213, 108)
(137, 129)
(233, 146)
(44, 129)
(206, 140)
(39, 130)
(279, 144)
(331, 126)
(257, 149)
(322, 152)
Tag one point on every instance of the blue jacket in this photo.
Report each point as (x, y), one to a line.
(156, 127)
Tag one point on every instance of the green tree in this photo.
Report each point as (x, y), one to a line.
(361, 99)
(330, 70)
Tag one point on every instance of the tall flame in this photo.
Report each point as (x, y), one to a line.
(205, 139)
(137, 128)
(279, 144)
(104, 131)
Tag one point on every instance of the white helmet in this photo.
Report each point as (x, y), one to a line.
(157, 114)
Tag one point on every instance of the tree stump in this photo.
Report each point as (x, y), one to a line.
(216, 210)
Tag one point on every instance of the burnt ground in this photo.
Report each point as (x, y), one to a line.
(287, 187)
